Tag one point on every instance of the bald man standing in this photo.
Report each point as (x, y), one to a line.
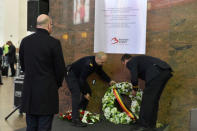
(41, 59)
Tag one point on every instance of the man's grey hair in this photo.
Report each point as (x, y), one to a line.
(43, 22)
(100, 54)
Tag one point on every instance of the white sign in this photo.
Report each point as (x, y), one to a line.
(120, 26)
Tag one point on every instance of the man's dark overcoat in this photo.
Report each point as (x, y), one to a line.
(42, 61)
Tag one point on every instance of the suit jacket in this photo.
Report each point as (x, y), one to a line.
(41, 59)
(145, 68)
(85, 66)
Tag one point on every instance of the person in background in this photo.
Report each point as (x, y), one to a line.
(11, 57)
(5, 49)
(42, 62)
(1, 56)
(77, 74)
(5, 63)
(156, 74)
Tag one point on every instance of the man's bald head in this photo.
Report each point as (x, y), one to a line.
(100, 58)
(100, 54)
(44, 22)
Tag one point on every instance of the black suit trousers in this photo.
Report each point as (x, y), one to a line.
(39, 122)
(78, 100)
(12, 69)
(150, 99)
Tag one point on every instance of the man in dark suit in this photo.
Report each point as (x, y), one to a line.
(156, 74)
(77, 74)
(41, 59)
(11, 57)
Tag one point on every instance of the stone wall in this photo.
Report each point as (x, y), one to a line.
(171, 36)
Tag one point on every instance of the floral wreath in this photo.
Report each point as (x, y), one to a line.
(111, 112)
(85, 116)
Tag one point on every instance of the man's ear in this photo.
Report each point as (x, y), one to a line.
(48, 26)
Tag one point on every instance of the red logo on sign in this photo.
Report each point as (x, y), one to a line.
(114, 40)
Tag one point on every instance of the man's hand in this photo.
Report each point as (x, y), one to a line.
(87, 96)
(112, 82)
(134, 92)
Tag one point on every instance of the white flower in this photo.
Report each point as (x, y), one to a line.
(134, 103)
(107, 110)
(114, 110)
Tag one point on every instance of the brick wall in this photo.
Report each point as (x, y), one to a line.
(171, 36)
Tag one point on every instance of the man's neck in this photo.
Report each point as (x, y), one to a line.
(41, 27)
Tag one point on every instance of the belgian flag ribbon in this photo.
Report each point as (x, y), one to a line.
(129, 113)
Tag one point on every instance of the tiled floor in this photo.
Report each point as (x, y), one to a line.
(15, 121)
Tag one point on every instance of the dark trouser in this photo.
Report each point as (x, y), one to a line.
(39, 122)
(150, 99)
(78, 101)
(1, 76)
(12, 69)
(83, 103)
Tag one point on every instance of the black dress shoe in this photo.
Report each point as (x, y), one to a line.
(78, 123)
(142, 128)
(11, 75)
(1, 83)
